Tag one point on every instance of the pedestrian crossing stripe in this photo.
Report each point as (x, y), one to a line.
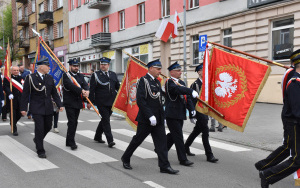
(126, 132)
(84, 153)
(66, 121)
(28, 122)
(4, 124)
(121, 145)
(22, 156)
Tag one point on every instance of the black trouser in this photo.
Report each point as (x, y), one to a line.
(278, 155)
(286, 168)
(55, 117)
(104, 124)
(16, 117)
(4, 112)
(176, 137)
(72, 115)
(43, 124)
(200, 127)
(158, 134)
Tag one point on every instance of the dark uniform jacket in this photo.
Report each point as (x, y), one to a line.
(17, 94)
(287, 76)
(104, 93)
(197, 87)
(72, 93)
(176, 104)
(40, 101)
(292, 99)
(149, 106)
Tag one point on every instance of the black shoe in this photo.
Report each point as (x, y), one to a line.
(100, 141)
(169, 170)
(15, 133)
(111, 144)
(220, 128)
(186, 163)
(258, 166)
(188, 152)
(212, 129)
(34, 140)
(43, 155)
(263, 182)
(212, 159)
(126, 165)
(74, 147)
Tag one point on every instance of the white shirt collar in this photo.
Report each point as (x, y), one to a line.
(151, 76)
(74, 74)
(41, 75)
(200, 79)
(175, 79)
(105, 72)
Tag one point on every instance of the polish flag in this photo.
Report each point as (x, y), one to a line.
(1, 48)
(176, 20)
(164, 31)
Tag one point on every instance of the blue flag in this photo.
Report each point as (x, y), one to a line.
(56, 69)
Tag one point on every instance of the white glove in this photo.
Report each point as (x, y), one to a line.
(165, 122)
(152, 120)
(11, 96)
(195, 94)
(193, 120)
(193, 113)
(2, 103)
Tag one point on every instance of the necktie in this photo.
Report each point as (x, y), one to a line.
(43, 76)
(106, 74)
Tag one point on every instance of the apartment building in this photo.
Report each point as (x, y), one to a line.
(49, 18)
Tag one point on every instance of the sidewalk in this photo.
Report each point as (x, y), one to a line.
(264, 129)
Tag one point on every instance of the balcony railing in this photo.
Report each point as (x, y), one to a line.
(21, 1)
(23, 21)
(24, 43)
(97, 4)
(101, 40)
(46, 17)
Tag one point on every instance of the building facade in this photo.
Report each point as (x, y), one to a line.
(49, 18)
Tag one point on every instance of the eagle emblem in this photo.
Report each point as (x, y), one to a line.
(226, 86)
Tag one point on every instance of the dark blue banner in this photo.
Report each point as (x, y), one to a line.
(56, 69)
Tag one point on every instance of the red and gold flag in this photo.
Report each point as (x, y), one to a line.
(125, 102)
(234, 85)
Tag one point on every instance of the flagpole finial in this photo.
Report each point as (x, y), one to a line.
(35, 32)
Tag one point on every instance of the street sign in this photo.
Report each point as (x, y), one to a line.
(202, 43)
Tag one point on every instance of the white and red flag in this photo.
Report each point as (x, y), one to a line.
(164, 31)
(176, 21)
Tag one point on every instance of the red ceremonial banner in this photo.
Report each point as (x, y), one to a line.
(125, 102)
(234, 85)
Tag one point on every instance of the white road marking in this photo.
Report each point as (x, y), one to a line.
(152, 184)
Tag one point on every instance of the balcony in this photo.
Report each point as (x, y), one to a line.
(98, 4)
(23, 21)
(21, 1)
(24, 43)
(46, 17)
(101, 40)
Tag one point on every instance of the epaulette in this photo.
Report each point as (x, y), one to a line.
(294, 79)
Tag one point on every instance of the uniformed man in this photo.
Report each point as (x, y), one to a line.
(291, 115)
(201, 123)
(104, 86)
(73, 96)
(283, 151)
(177, 101)
(150, 118)
(39, 87)
(14, 95)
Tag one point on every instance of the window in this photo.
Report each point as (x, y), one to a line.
(86, 1)
(72, 5)
(165, 8)
(41, 7)
(59, 3)
(282, 38)
(122, 20)
(193, 4)
(50, 5)
(20, 14)
(227, 37)
(42, 32)
(25, 11)
(79, 33)
(79, 3)
(105, 25)
(50, 32)
(72, 35)
(141, 13)
(87, 30)
(33, 5)
(21, 34)
(27, 32)
(196, 52)
(33, 27)
(60, 29)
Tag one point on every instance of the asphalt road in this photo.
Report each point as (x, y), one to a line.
(96, 165)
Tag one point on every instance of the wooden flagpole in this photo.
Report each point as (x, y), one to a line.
(10, 86)
(41, 39)
(253, 56)
(203, 102)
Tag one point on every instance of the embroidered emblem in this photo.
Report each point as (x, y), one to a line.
(132, 92)
(226, 85)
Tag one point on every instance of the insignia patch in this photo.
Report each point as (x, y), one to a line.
(40, 84)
